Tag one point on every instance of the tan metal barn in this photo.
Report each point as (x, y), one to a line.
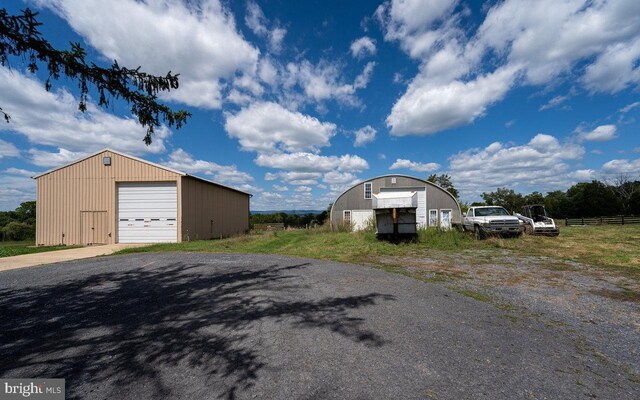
(111, 197)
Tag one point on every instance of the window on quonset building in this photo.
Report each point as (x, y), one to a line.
(346, 216)
(367, 190)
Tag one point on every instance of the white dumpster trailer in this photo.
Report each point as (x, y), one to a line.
(395, 213)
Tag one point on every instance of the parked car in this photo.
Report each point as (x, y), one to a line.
(491, 220)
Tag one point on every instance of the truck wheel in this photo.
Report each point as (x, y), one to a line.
(528, 230)
(479, 233)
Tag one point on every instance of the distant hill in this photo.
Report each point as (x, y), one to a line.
(295, 212)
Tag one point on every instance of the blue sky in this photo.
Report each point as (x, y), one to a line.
(295, 101)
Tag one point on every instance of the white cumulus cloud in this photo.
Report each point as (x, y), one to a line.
(16, 186)
(309, 162)
(622, 167)
(294, 177)
(428, 108)
(550, 41)
(223, 174)
(8, 150)
(541, 164)
(268, 126)
(43, 158)
(324, 81)
(414, 166)
(53, 119)
(338, 178)
(364, 135)
(199, 40)
(362, 47)
(602, 133)
(259, 24)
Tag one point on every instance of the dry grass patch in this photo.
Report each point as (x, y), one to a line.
(452, 254)
(610, 246)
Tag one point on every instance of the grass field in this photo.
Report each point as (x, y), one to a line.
(9, 249)
(614, 247)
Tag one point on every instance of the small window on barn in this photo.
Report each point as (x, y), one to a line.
(393, 181)
(367, 190)
(346, 216)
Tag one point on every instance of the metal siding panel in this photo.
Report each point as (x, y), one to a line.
(204, 202)
(86, 223)
(99, 222)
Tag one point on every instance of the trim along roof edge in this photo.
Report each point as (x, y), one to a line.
(137, 159)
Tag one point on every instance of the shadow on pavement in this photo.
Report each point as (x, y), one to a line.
(123, 328)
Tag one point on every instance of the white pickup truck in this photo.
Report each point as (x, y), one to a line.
(491, 220)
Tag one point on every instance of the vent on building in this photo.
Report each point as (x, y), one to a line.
(106, 161)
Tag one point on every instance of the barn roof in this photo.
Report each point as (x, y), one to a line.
(400, 176)
(140, 160)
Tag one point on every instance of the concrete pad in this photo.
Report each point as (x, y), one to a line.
(56, 256)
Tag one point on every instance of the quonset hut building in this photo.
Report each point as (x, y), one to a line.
(433, 206)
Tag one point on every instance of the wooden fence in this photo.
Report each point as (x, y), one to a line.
(617, 220)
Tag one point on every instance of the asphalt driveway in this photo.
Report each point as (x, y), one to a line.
(191, 326)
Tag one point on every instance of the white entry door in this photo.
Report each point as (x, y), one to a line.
(147, 212)
(445, 219)
(361, 219)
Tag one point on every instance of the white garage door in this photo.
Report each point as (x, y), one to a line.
(361, 219)
(421, 211)
(147, 212)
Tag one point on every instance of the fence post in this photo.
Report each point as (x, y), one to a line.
(582, 220)
(566, 222)
(601, 221)
(623, 220)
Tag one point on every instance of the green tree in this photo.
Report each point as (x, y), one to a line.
(634, 204)
(6, 217)
(26, 212)
(593, 199)
(557, 204)
(534, 198)
(626, 189)
(504, 197)
(19, 231)
(444, 181)
(322, 217)
(20, 38)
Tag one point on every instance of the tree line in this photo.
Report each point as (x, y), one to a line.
(19, 224)
(290, 220)
(585, 199)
